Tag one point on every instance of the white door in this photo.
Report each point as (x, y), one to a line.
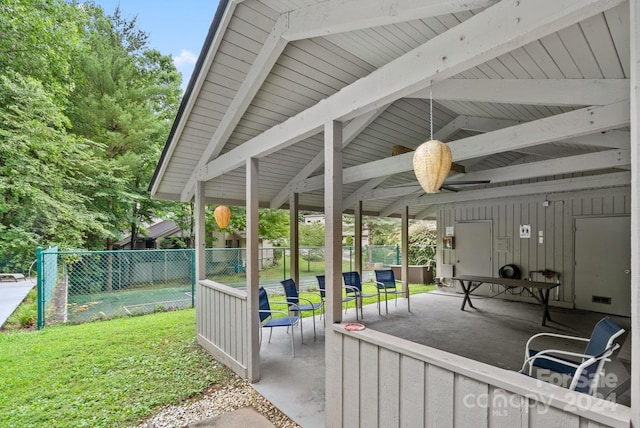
(473, 249)
(602, 264)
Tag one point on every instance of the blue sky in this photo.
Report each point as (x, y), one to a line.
(175, 27)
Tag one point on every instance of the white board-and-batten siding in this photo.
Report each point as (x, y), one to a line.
(391, 382)
(222, 324)
(556, 221)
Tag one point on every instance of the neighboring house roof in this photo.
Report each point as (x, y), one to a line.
(161, 229)
(520, 102)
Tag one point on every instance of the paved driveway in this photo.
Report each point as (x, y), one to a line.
(11, 295)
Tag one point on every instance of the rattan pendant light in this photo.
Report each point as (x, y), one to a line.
(432, 160)
(222, 213)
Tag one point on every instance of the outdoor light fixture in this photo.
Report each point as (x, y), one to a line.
(432, 160)
(431, 164)
(222, 214)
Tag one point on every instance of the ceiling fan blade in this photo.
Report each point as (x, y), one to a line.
(456, 183)
(449, 188)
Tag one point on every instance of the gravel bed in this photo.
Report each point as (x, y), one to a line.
(218, 401)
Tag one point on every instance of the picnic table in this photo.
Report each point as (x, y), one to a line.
(470, 283)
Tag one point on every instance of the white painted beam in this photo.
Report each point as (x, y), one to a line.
(513, 24)
(562, 185)
(572, 124)
(260, 69)
(430, 211)
(354, 197)
(616, 139)
(351, 131)
(390, 192)
(567, 165)
(338, 16)
(553, 92)
(442, 134)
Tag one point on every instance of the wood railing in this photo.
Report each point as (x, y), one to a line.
(385, 381)
(221, 313)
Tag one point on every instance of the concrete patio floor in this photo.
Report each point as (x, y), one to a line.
(495, 332)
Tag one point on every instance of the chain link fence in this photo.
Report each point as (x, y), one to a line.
(81, 286)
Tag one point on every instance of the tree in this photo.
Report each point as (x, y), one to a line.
(39, 40)
(422, 243)
(125, 96)
(45, 174)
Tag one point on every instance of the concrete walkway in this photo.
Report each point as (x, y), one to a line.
(11, 295)
(494, 333)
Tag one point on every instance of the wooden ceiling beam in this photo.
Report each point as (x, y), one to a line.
(551, 92)
(339, 16)
(462, 47)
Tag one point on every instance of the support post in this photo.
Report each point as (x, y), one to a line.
(357, 238)
(253, 323)
(294, 266)
(333, 270)
(405, 251)
(634, 13)
(199, 259)
(199, 212)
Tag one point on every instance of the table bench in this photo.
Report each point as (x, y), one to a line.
(470, 283)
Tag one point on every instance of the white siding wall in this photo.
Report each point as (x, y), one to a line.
(390, 382)
(555, 220)
(222, 324)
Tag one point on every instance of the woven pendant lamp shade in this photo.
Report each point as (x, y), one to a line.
(222, 214)
(431, 164)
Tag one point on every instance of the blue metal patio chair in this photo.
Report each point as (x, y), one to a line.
(386, 284)
(267, 320)
(353, 286)
(345, 299)
(586, 370)
(294, 299)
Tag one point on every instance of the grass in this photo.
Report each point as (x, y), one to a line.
(367, 288)
(88, 307)
(103, 374)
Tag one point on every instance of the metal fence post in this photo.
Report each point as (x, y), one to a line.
(397, 254)
(40, 286)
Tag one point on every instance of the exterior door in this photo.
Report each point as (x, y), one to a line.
(602, 264)
(473, 249)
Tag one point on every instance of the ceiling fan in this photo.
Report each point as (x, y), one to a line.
(455, 167)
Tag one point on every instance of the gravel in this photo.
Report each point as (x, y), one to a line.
(217, 401)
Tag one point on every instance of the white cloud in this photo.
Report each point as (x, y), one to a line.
(185, 58)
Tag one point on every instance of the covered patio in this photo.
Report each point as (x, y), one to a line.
(317, 105)
(494, 333)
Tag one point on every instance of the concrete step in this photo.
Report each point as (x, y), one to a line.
(246, 417)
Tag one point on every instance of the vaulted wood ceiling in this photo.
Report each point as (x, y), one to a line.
(530, 94)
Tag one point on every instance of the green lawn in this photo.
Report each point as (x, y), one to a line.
(102, 374)
(367, 288)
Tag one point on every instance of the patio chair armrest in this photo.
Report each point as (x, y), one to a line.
(305, 300)
(351, 289)
(264, 311)
(561, 336)
(282, 303)
(310, 292)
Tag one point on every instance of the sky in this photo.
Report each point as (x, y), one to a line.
(175, 27)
